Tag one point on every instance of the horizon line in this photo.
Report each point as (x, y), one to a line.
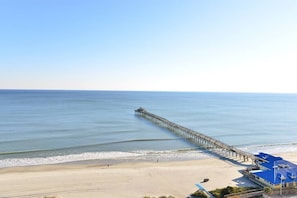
(127, 90)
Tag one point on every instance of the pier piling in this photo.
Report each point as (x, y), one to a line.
(197, 138)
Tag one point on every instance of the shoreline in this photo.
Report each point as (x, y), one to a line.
(127, 179)
(107, 157)
(113, 157)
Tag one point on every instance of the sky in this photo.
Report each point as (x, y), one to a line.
(149, 45)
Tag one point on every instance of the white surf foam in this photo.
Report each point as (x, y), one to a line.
(141, 155)
(272, 148)
(13, 162)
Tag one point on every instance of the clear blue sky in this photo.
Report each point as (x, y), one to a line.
(164, 45)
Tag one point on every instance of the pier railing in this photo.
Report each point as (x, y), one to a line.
(197, 138)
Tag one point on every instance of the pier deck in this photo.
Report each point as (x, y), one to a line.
(197, 138)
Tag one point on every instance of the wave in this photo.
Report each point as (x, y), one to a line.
(239, 134)
(271, 148)
(79, 147)
(87, 152)
(141, 155)
(13, 162)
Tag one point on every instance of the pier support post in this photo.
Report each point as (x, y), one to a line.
(196, 137)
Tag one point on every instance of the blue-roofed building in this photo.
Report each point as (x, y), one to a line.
(275, 172)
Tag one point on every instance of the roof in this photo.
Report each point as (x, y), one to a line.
(270, 159)
(278, 170)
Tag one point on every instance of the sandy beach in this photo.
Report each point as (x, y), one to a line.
(127, 180)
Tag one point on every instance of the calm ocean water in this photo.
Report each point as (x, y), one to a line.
(44, 127)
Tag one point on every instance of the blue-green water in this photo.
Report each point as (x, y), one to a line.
(43, 127)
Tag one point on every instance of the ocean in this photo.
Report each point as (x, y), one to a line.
(49, 127)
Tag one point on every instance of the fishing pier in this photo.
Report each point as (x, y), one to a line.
(197, 138)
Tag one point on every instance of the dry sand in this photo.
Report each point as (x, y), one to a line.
(126, 180)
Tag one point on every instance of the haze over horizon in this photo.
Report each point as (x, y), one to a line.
(167, 45)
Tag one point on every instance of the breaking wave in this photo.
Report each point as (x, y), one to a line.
(176, 155)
